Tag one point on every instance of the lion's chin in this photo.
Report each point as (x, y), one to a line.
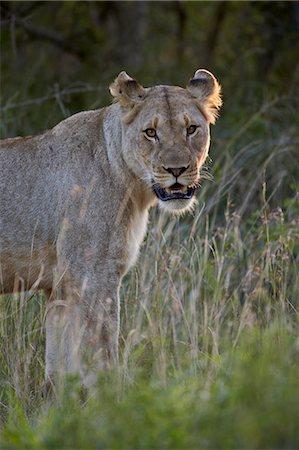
(178, 206)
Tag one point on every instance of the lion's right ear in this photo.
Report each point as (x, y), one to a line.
(126, 90)
(207, 91)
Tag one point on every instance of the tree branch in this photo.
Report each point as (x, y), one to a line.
(19, 19)
(50, 36)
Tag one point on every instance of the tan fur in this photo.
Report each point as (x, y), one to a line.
(74, 207)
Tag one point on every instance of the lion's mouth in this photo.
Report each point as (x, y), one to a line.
(175, 192)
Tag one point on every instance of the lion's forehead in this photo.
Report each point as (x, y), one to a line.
(170, 103)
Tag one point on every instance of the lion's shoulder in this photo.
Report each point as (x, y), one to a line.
(76, 123)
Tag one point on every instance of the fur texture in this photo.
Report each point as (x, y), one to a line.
(74, 206)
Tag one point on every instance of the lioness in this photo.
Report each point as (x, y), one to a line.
(74, 207)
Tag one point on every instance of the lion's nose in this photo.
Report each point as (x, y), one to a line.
(177, 171)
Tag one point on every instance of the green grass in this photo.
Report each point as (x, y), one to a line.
(209, 335)
(246, 398)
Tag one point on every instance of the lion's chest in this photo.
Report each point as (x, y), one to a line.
(135, 237)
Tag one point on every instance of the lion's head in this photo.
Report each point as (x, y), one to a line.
(166, 134)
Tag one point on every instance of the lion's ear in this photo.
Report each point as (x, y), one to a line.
(127, 90)
(206, 89)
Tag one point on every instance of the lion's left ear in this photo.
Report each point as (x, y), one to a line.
(127, 90)
(206, 89)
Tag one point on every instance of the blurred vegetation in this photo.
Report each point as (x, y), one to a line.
(209, 336)
(248, 403)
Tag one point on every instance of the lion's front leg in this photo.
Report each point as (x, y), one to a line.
(62, 338)
(100, 333)
(82, 329)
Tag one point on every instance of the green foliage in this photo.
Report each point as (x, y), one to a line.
(248, 398)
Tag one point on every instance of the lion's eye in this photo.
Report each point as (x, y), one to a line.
(191, 129)
(150, 132)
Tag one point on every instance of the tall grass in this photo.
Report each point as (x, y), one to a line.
(209, 335)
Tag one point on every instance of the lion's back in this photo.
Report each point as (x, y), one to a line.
(37, 172)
